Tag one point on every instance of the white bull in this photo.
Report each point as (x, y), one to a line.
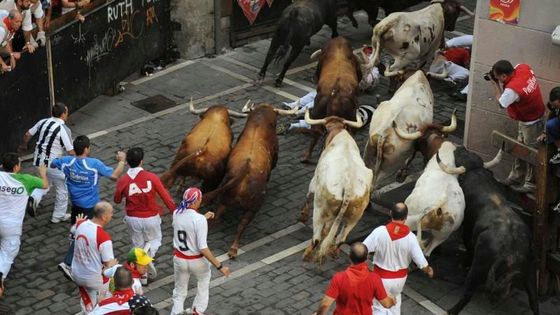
(340, 188)
(411, 108)
(412, 38)
(437, 202)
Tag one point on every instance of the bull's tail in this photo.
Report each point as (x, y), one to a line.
(210, 196)
(500, 278)
(285, 33)
(168, 178)
(327, 243)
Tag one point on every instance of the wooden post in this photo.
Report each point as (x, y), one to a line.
(540, 216)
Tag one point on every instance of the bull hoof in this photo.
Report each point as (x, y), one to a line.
(401, 176)
(308, 254)
(278, 83)
(232, 253)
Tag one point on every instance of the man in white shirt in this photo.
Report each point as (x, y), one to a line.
(10, 22)
(522, 99)
(54, 138)
(93, 250)
(191, 253)
(395, 247)
(24, 7)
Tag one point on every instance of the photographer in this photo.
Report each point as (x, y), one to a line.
(522, 99)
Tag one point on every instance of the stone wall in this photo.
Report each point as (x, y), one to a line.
(196, 38)
(528, 42)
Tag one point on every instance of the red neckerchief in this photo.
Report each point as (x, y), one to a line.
(357, 273)
(133, 271)
(397, 230)
(9, 25)
(119, 297)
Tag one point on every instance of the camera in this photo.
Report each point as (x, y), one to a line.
(488, 76)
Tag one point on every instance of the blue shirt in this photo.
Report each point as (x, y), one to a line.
(82, 178)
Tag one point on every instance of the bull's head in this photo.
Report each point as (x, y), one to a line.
(444, 130)
(451, 11)
(471, 161)
(250, 106)
(334, 122)
(200, 111)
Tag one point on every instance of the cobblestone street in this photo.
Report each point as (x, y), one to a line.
(269, 276)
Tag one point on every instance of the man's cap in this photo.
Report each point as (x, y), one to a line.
(138, 301)
(139, 256)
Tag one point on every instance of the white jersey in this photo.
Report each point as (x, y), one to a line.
(190, 230)
(92, 248)
(52, 138)
(13, 200)
(394, 255)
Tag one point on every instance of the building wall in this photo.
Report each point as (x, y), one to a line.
(196, 38)
(528, 42)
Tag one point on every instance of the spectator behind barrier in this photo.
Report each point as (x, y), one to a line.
(10, 22)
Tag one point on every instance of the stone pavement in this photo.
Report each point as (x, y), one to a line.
(269, 276)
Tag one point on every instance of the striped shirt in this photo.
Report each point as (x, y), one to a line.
(53, 137)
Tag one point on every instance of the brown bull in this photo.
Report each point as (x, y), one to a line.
(248, 168)
(338, 75)
(204, 150)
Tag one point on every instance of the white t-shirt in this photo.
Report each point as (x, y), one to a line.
(4, 39)
(92, 248)
(13, 200)
(394, 255)
(190, 230)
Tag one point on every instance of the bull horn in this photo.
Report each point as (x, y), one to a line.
(248, 107)
(236, 113)
(316, 54)
(453, 125)
(449, 170)
(288, 112)
(194, 110)
(354, 124)
(312, 122)
(467, 11)
(393, 73)
(373, 61)
(496, 160)
(405, 135)
(378, 161)
(444, 74)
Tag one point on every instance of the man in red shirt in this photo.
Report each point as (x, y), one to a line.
(140, 188)
(355, 288)
(521, 98)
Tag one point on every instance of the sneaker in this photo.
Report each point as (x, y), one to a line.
(555, 159)
(31, 207)
(152, 271)
(525, 188)
(66, 270)
(65, 218)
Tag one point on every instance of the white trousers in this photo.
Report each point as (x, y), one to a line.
(145, 230)
(92, 291)
(10, 236)
(393, 287)
(57, 180)
(184, 268)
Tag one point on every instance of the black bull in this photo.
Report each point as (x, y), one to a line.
(299, 21)
(498, 241)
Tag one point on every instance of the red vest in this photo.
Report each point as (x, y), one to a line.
(530, 106)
